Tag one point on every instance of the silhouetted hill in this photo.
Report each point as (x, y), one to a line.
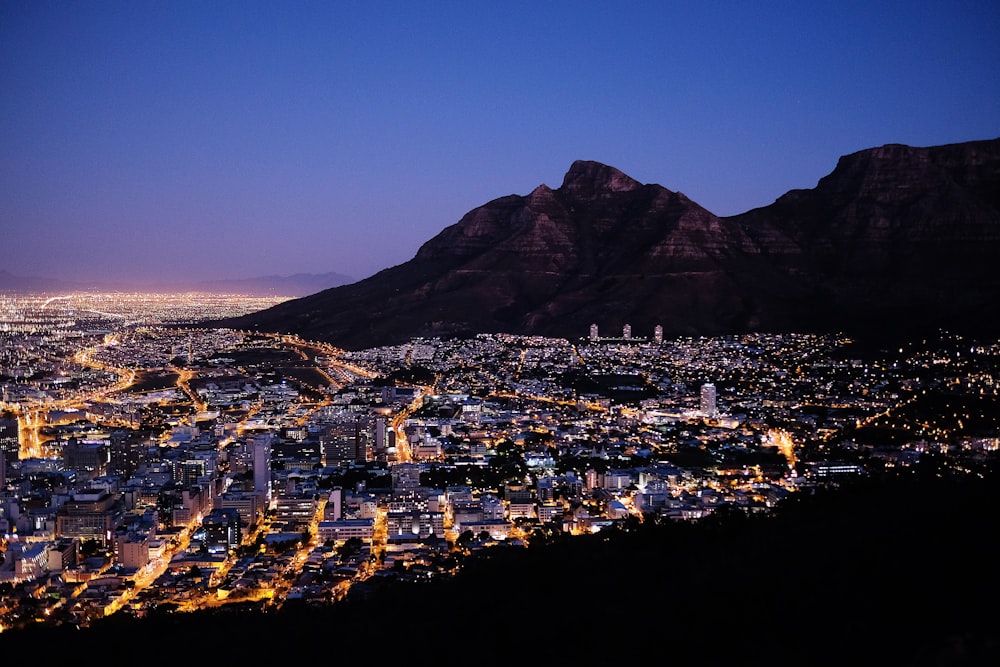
(893, 571)
(895, 237)
(33, 284)
(299, 284)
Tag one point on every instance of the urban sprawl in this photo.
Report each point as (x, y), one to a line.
(150, 464)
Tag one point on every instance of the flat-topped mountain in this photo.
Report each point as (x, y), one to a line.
(895, 236)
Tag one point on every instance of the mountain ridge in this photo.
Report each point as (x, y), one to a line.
(298, 284)
(884, 240)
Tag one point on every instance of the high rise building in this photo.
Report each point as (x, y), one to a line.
(708, 396)
(380, 436)
(10, 440)
(627, 331)
(346, 441)
(128, 450)
(189, 471)
(262, 466)
(658, 334)
(334, 509)
(90, 514)
(222, 528)
(87, 458)
(593, 332)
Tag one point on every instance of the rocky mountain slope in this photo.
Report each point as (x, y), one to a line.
(895, 237)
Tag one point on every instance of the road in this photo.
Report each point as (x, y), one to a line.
(30, 412)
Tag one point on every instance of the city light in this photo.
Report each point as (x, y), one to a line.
(514, 438)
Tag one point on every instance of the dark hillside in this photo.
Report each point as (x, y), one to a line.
(896, 571)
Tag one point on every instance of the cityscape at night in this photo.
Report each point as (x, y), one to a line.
(150, 467)
(567, 333)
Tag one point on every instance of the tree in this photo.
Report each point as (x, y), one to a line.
(539, 536)
(630, 524)
(350, 547)
(727, 516)
(90, 548)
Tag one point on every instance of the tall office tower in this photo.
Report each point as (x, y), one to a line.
(708, 406)
(627, 331)
(10, 440)
(189, 471)
(658, 334)
(222, 528)
(346, 441)
(358, 430)
(128, 452)
(262, 465)
(364, 436)
(593, 332)
(334, 510)
(380, 436)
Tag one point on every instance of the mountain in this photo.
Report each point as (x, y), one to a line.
(29, 284)
(299, 284)
(896, 237)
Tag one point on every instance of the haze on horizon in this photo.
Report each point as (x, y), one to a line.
(143, 141)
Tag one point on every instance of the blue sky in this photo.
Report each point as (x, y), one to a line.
(162, 140)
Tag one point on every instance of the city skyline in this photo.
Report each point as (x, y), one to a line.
(153, 473)
(238, 140)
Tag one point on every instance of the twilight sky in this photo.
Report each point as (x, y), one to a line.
(171, 140)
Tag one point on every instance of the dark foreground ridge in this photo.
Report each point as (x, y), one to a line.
(891, 571)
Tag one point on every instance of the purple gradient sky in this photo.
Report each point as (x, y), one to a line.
(165, 140)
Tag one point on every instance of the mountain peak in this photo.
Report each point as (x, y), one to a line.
(896, 238)
(590, 176)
